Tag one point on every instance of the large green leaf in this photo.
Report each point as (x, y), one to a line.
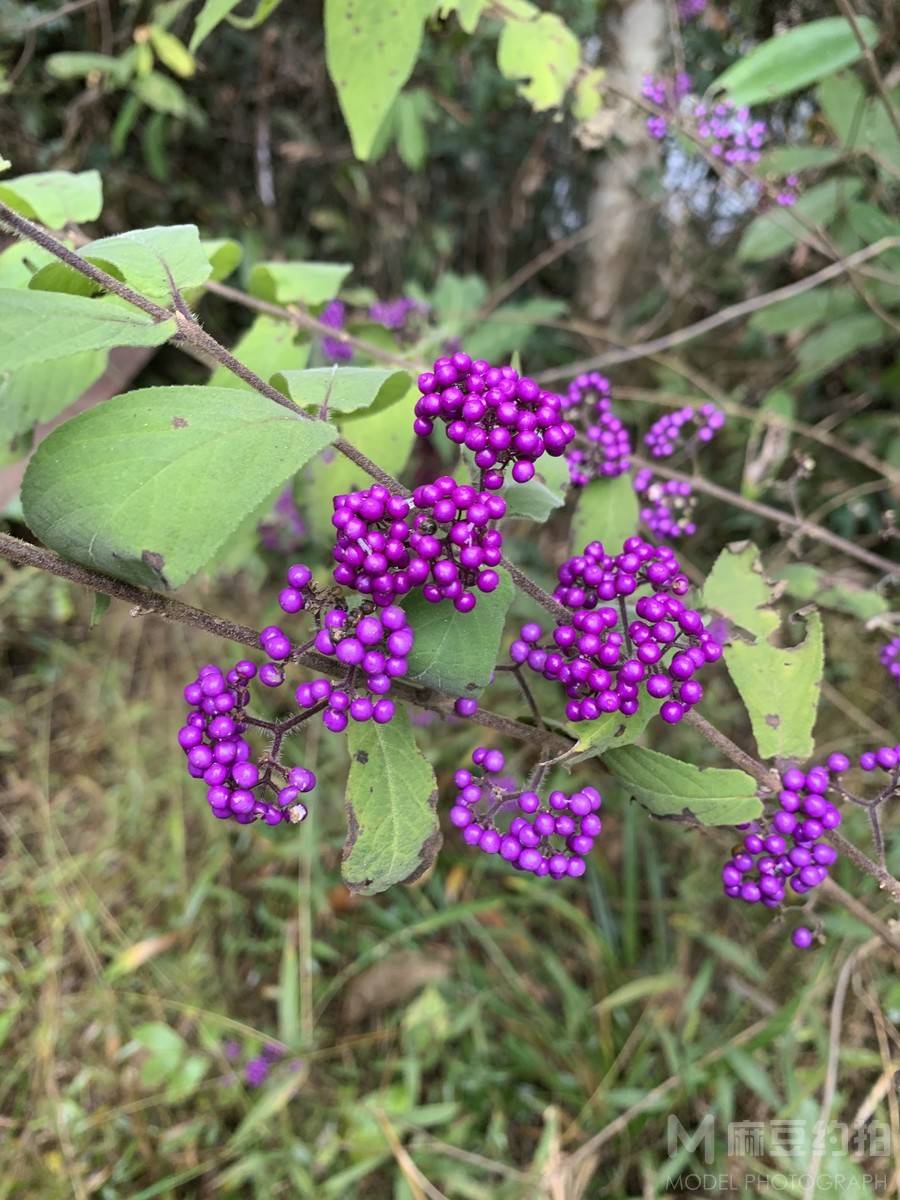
(829, 346)
(298, 282)
(606, 511)
(542, 52)
(41, 391)
(793, 60)
(669, 787)
(371, 50)
(55, 197)
(776, 231)
(148, 486)
(456, 652)
(268, 346)
(842, 99)
(347, 389)
(38, 327)
(779, 685)
(139, 258)
(393, 833)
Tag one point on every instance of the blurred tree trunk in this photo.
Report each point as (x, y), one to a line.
(634, 45)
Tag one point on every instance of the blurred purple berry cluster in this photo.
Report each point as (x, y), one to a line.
(334, 315)
(890, 659)
(667, 505)
(552, 837)
(606, 444)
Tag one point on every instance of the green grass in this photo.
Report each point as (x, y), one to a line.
(480, 1026)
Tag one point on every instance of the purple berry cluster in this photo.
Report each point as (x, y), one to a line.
(397, 314)
(787, 850)
(543, 838)
(689, 10)
(885, 757)
(603, 659)
(890, 659)
(443, 541)
(667, 505)
(729, 132)
(607, 451)
(217, 751)
(494, 412)
(677, 430)
(372, 647)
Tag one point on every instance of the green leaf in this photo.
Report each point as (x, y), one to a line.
(456, 297)
(793, 60)
(99, 608)
(606, 511)
(669, 787)
(776, 231)
(546, 492)
(161, 93)
(172, 52)
(807, 583)
(588, 98)
(370, 50)
(347, 389)
(393, 832)
(138, 258)
(828, 347)
(41, 391)
(224, 256)
(544, 53)
(37, 327)
(212, 13)
(55, 197)
(298, 282)
(387, 436)
(799, 313)
(76, 64)
(842, 99)
(165, 1052)
(263, 10)
(506, 331)
(467, 12)
(608, 732)
(410, 112)
(779, 685)
(786, 160)
(268, 346)
(456, 652)
(125, 487)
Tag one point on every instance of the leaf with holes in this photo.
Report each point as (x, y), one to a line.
(38, 327)
(456, 652)
(669, 787)
(370, 50)
(393, 831)
(148, 486)
(779, 685)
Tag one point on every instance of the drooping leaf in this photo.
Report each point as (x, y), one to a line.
(370, 50)
(456, 652)
(347, 389)
(138, 258)
(669, 787)
(606, 511)
(793, 60)
(807, 583)
(298, 282)
(55, 197)
(774, 232)
(148, 486)
(41, 391)
(544, 53)
(393, 832)
(38, 327)
(546, 492)
(268, 346)
(212, 13)
(779, 685)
